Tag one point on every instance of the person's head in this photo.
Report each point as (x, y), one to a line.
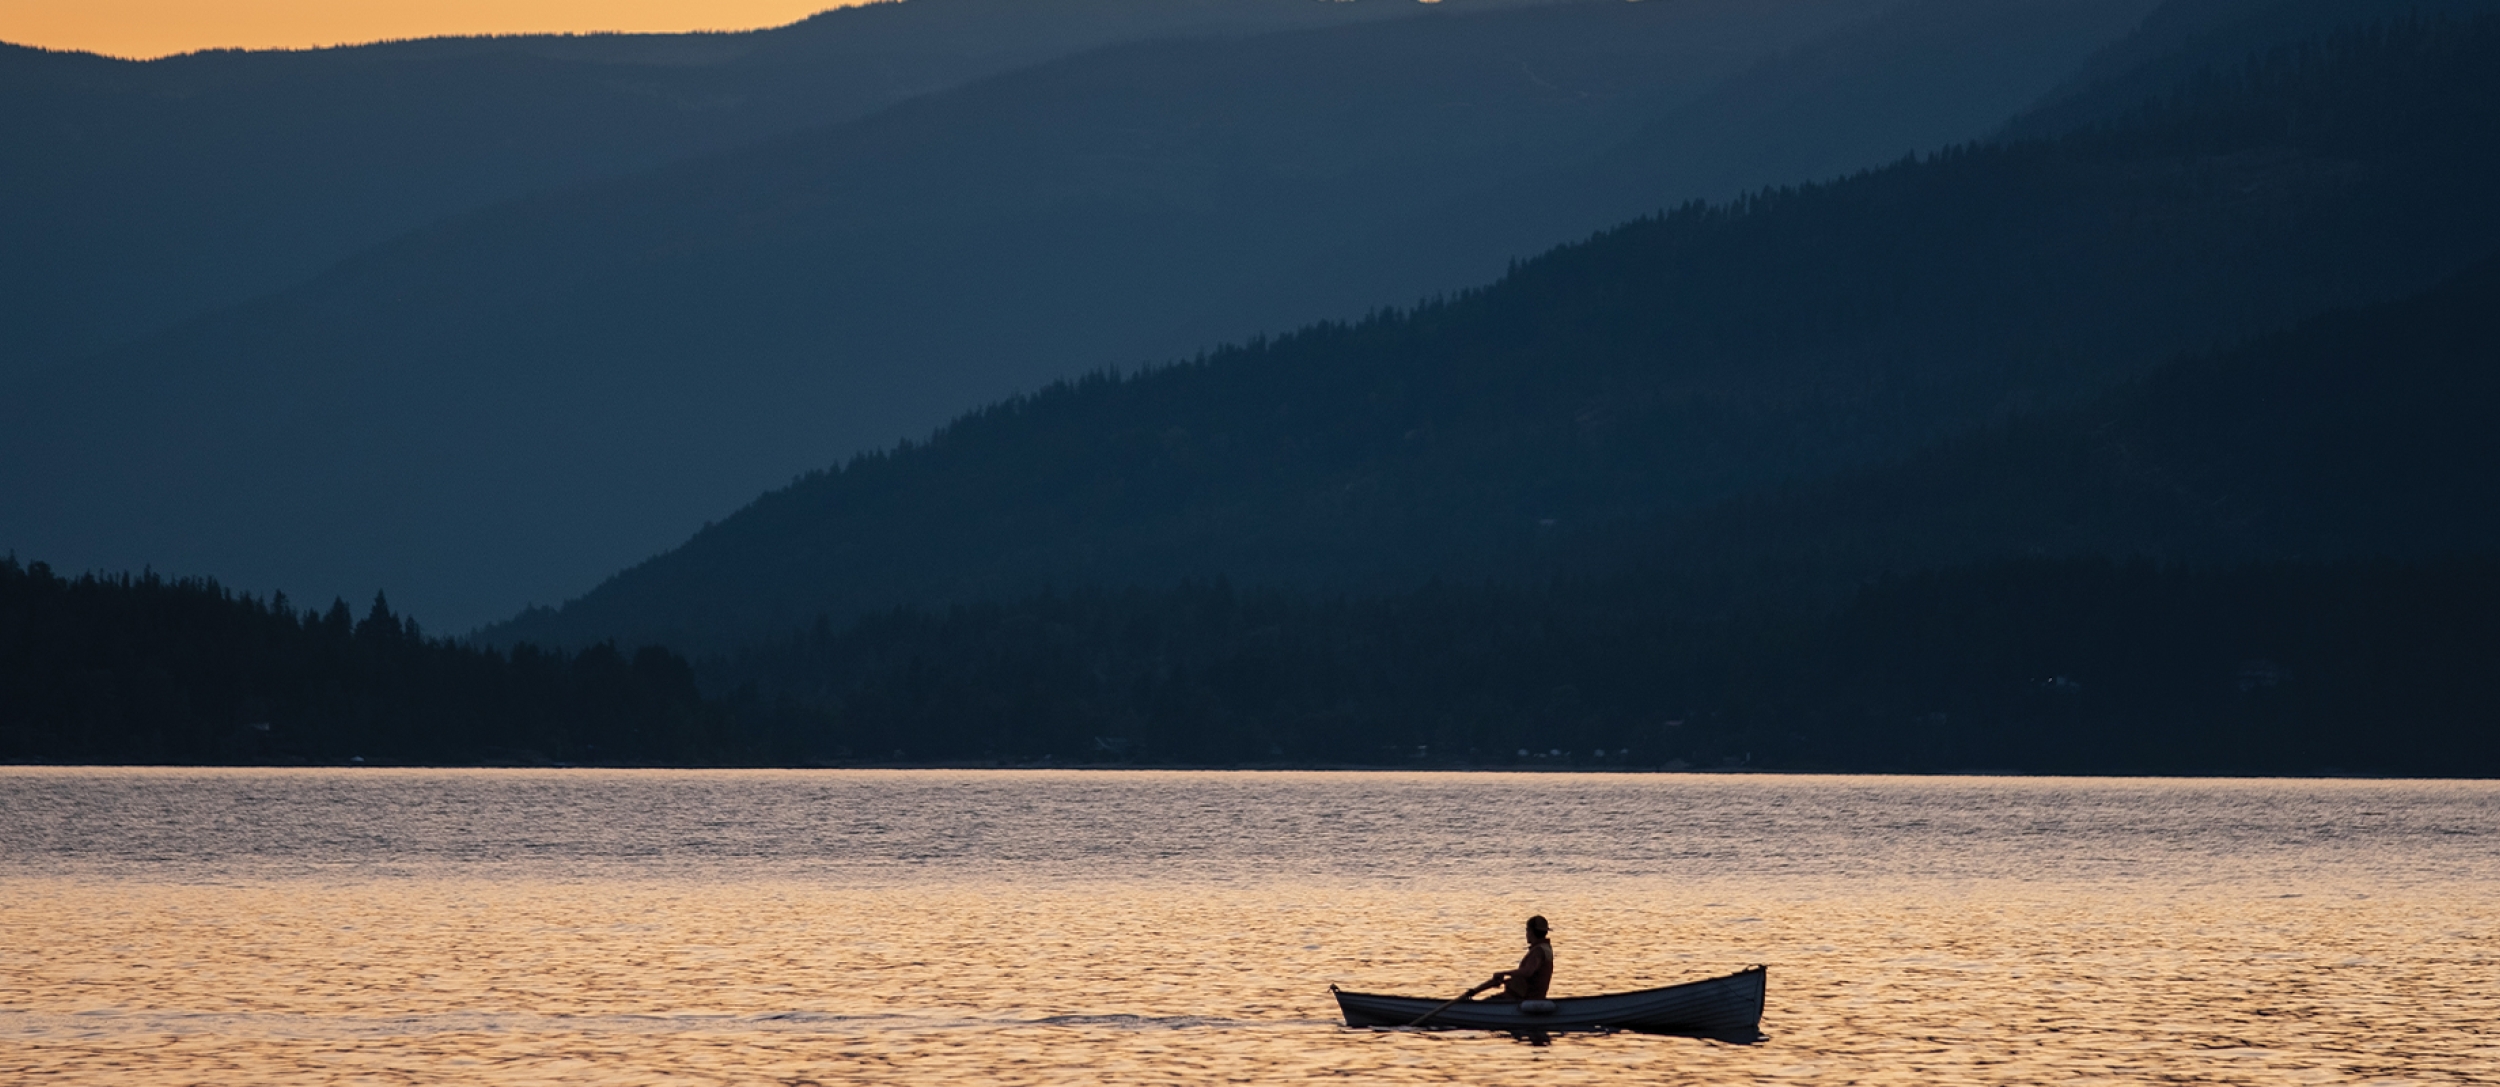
(1536, 929)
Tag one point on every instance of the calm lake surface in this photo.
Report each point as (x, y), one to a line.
(589, 926)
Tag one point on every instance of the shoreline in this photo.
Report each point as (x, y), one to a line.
(975, 766)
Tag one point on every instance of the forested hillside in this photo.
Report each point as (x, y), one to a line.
(2356, 435)
(1657, 370)
(2302, 531)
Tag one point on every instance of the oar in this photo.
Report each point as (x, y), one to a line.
(1445, 1005)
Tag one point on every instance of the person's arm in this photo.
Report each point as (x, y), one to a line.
(1501, 980)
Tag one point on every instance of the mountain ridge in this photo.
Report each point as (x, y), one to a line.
(147, 191)
(1444, 437)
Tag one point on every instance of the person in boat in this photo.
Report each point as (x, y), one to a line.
(1536, 968)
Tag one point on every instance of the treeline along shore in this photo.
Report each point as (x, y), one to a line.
(2054, 666)
(152, 670)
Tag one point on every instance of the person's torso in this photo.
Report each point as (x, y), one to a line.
(1536, 972)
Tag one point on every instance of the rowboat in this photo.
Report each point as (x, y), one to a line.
(1726, 1008)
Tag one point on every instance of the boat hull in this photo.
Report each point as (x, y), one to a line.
(1727, 1008)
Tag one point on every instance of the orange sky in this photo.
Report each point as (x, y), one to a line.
(153, 28)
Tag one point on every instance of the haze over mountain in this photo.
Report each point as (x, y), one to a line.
(1654, 371)
(1919, 76)
(506, 406)
(2183, 38)
(138, 193)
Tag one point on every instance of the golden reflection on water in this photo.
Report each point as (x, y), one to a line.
(515, 983)
(969, 977)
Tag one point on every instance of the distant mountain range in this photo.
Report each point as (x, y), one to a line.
(2138, 423)
(514, 401)
(136, 194)
(1651, 373)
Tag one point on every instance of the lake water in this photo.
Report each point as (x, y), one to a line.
(589, 926)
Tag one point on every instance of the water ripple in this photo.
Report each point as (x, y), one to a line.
(611, 927)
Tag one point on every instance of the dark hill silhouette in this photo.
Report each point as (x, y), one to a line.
(137, 193)
(511, 404)
(1657, 370)
(2353, 436)
(1968, 612)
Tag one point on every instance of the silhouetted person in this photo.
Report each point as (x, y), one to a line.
(1536, 968)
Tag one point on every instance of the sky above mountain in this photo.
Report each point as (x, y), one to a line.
(154, 28)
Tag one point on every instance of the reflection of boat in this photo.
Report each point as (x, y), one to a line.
(1727, 1008)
